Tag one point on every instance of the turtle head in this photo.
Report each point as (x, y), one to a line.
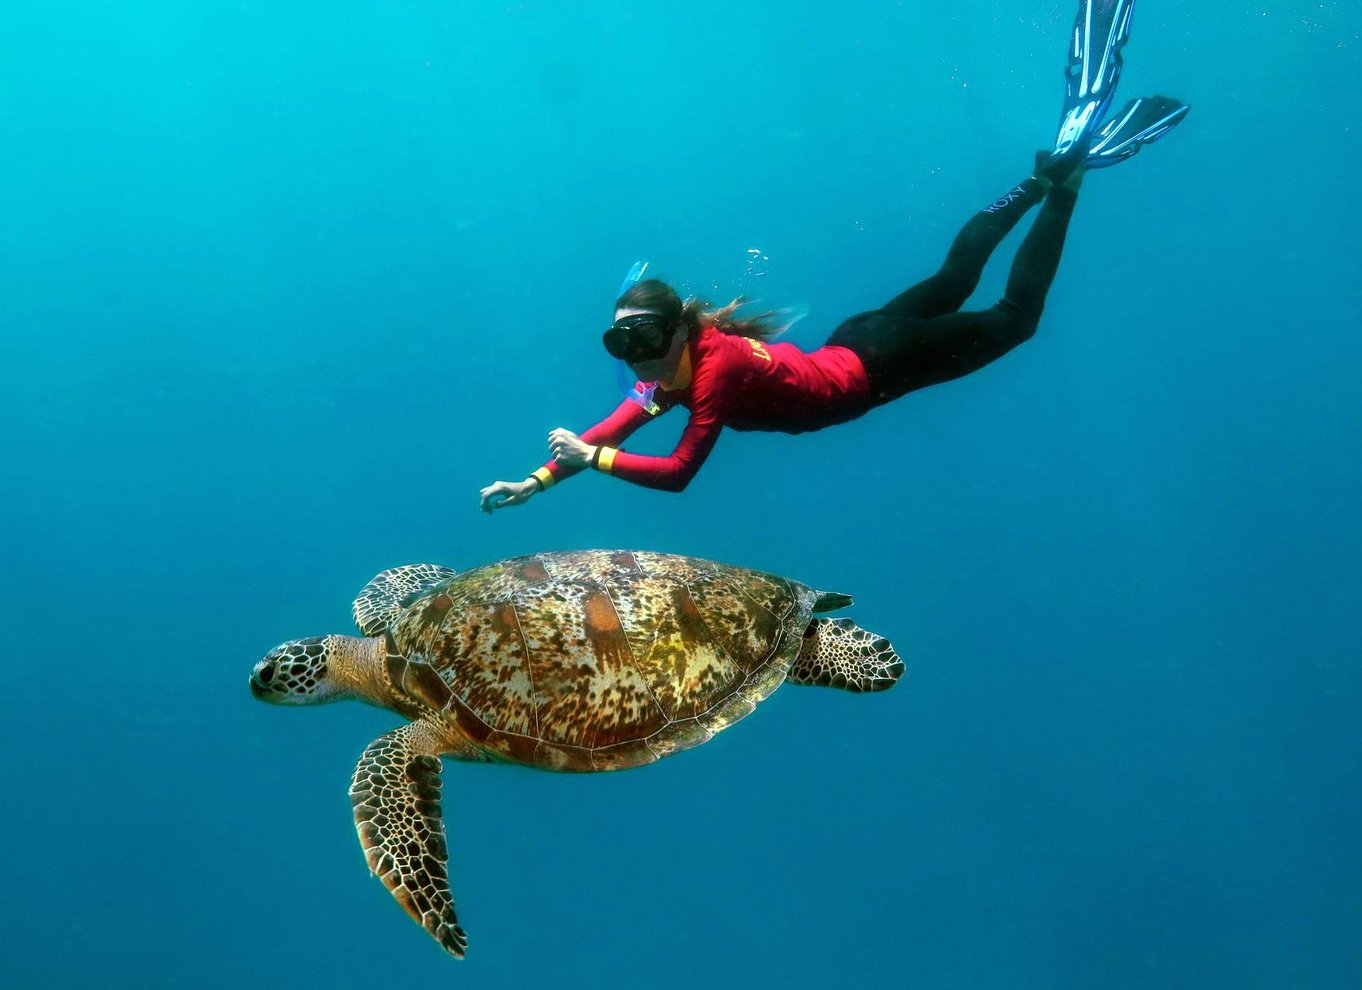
(299, 672)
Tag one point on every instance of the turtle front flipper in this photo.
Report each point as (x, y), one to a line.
(381, 600)
(838, 653)
(396, 794)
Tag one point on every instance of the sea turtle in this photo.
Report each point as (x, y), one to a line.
(573, 661)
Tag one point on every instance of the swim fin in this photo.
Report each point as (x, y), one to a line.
(1142, 121)
(1101, 30)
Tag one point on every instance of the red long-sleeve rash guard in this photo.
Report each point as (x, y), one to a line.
(726, 380)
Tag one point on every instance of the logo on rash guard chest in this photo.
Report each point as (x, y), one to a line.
(758, 348)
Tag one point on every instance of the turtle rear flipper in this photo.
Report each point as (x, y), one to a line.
(396, 794)
(381, 600)
(838, 653)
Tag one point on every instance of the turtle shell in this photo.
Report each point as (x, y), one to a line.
(602, 660)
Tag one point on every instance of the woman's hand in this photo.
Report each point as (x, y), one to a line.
(569, 450)
(502, 494)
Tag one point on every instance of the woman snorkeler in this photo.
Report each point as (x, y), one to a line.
(727, 372)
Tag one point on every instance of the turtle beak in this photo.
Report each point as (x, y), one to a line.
(261, 678)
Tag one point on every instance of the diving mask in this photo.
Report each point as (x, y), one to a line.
(637, 338)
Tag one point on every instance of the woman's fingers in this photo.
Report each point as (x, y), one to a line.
(499, 495)
(567, 448)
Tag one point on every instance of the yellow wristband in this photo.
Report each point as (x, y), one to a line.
(545, 478)
(605, 459)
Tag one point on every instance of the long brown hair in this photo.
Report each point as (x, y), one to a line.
(656, 296)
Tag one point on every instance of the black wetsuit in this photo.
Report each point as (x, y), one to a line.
(919, 338)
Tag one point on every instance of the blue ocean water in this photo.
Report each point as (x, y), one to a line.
(283, 285)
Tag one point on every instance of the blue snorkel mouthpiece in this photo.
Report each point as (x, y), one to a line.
(634, 390)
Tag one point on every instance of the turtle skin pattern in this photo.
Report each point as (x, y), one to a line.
(602, 660)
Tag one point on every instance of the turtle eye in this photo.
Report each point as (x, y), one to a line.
(267, 673)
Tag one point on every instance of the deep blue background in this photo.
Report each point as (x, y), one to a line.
(284, 284)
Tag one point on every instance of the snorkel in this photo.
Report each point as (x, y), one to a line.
(633, 389)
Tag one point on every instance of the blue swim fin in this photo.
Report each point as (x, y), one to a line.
(1101, 30)
(1142, 121)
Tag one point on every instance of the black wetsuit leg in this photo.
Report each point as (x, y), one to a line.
(918, 338)
(947, 290)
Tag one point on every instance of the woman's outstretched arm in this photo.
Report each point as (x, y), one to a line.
(673, 472)
(626, 418)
